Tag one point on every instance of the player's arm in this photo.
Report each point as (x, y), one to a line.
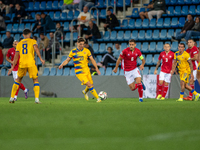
(38, 53)
(158, 64)
(143, 62)
(8, 58)
(191, 68)
(94, 64)
(16, 57)
(173, 66)
(65, 62)
(117, 64)
(195, 57)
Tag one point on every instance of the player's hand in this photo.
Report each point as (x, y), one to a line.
(172, 72)
(61, 66)
(9, 71)
(99, 73)
(115, 70)
(155, 72)
(141, 67)
(42, 61)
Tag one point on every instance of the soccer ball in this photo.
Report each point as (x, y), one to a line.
(103, 95)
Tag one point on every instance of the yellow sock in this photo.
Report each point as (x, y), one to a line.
(194, 92)
(14, 89)
(36, 89)
(86, 89)
(93, 92)
(181, 94)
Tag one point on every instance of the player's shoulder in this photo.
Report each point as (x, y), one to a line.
(185, 53)
(86, 49)
(137, 49)
(171, 52)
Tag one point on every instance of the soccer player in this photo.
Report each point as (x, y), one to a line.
(193, 51)
(11, 53)
(128, 57)
(167, 58)
(182, 58)
(80, 57)
(198, 69)
(25, 50)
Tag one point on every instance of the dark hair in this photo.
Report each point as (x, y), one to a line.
(132, 40)
(58, 23)
(191, 39)
(168, 44)
(110, 48)
(190, 15)
(86, 42)
(80, 40)
(26, 31)
(182, 44)
(41, 33)
(8, 31)
(43, 13)
(35, 37)
(108, 10)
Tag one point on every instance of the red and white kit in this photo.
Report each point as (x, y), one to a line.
(166, 67)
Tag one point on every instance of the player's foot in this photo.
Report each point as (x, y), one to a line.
(159, 96)
(11, 100)
(187, 98)
(179, 100)
(86, 95)
(98, 100)
(162, 98)
(37, 101)
(144, 87)
(15, 99)
(140, 100)
(26, 93)
(197, 97)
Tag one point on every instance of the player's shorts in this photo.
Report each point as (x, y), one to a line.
(32, 71)
(14, 73)
(165, 77)
(195, 74)
(131, 75)
(185, 77)
(84, 78)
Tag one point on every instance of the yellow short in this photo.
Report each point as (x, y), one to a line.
(32, 71)
(84, 78)
(185, 77)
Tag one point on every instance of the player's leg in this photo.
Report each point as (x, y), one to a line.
(183, 84)
(93, 91)
(166, 85)
(198, 75)
(160, 85)
(189, 88)
(14, 73)
(140, 88)
(191, 83)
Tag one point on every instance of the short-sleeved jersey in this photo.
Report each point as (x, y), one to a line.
(182, 62)
(11, 55)
(26, 52)
(129, 58)
(80, 58)
(167, 61)
(193, 51)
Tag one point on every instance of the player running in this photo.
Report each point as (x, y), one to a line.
(25, 50)
(80, 57)
(128, 57)
(167, 58)
(11, 53)
(193, 51)
(184, 64)
(198, 69)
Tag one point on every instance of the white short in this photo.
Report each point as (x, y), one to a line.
(165, 77)
(195, 74)
(14, 75)
(131, 75)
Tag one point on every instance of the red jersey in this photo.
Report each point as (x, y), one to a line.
(129, 57)
(1, 57)
(193, 51)
(11, 53)
(167, 61)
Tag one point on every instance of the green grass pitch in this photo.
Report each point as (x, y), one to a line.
(114, 124)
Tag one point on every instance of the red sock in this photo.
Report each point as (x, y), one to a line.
(136, 86)
(21, 86)
(17, 92)
(140, 90)
(190, 94)
(165, 91)
(159, 89)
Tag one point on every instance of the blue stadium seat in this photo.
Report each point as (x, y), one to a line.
(108, 71)
(53, 72)
(174, 22)
(134, 34)
(195, 1)
(49, 5)
(76, 14)
(115, 74)
(67, 37)
(141, 35)
(103, 14)
(3, 38)
(138, 24)
(163, 34)
(138, 45)
(123, 46)
(75, 36)
(102, 70)
(36, 6)
(17, 37)
(51, 14)
(101, 39)
(170, 11)
(192, 10)
(96, 48)
(116, 54)
(9, 27)
(113, 36)
(127, 2)
(155, 59)
(156, 35)
(15, 28)
(30, 6)
(102, 48)
(198, 10)
(124, 24)
(159, 47)
(135, 13)
(95, 14)
(180, 2)
(142, 9)
(3, 72)
(127, 35)
(99, 58)
(173, 2)
(152, 47)
(120, 36)
(152, 69)
(145, 23)
(45, 72)
(146, 71)
(159, 69)
(63, 16)
(72, 72)
(66, 71)
(181, 21)
(101, 4)
(70, 15)
(121, 72)
(109, 45)
(120, 3)
(148, 35)
(106, 36)
(160, 23)
(43, 5)
(66, 26)
(149, 59)
(152, 23)
(139, 62)
(184, 10)
(21, 28)
(188, 1)
(60, 4)
(170, 33)
(167, 23)
(174, 46)
(59, 72)
(57, 16)
(177, 11)
(145, 47)
(131, 24)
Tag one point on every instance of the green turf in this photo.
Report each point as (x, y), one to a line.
(114, 124)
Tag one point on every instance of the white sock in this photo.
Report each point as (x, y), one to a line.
(15, 97)
(25, 90)
(11, 99)
(37, 99)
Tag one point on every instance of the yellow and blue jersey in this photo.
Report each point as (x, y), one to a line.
(182, 62)
(26, 52)
(80, 58)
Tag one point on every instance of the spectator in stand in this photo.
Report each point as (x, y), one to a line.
(90, 48)
(49, 47)
(7, 43)
(195, 31)
(107, 58)
(144, 15)
(87, 3)
(59, 28)
(188, 26)
(44, 42)
(83, 18)
(10, 5)
(2, 7)
(111, 21)
(70, 5)
(1, 57)
(2, 24)
(117, 47)
(46, 23)
(19, 13)
(92, 32)
(37, 25)
(36, 38)
(158, 9)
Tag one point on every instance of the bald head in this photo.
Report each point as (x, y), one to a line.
(15, 43)
(85, 9)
